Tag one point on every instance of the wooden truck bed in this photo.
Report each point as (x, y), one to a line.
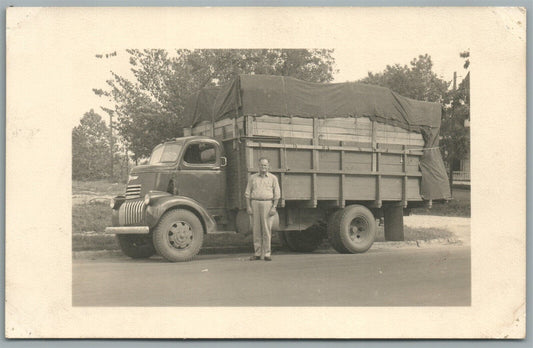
(331, 161)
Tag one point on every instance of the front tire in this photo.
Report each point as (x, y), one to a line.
(178, 236)
(354, 229)
(136, 246)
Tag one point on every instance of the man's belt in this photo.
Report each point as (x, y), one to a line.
(259, 199)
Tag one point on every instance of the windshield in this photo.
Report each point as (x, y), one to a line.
(165, 153)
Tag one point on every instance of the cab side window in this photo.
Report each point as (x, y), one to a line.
(200, 153)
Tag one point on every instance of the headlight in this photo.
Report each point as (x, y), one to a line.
(116, 202)
(147, 199)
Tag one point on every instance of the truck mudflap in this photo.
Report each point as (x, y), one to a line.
(127, 230)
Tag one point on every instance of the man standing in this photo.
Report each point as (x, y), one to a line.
(262, 195)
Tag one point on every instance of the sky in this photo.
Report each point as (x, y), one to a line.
(53, 50)
(351, 67)
(364, 40)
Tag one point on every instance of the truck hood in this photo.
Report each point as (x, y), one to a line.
(143, 179)
(150, 168)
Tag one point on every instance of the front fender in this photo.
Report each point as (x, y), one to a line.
(163, 201)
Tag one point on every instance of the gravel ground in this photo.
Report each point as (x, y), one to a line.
(459, 226)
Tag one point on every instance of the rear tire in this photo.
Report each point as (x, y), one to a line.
(304, 241)
(283, 240)
(355, 229)
(178, 236)
(136, 246)
(333, 235)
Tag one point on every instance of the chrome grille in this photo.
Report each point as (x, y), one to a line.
(133, 191)
(131, 213)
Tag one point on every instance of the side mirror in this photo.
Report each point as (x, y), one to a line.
(223, 161)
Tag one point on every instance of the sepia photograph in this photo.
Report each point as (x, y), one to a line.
(212, 165)
(359, 191)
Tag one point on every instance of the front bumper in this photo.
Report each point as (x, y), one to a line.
(128, 230)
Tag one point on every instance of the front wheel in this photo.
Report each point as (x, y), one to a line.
(136, 246)
(178, 236)
(354, 229)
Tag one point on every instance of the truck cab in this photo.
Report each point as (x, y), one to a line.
(171, 202)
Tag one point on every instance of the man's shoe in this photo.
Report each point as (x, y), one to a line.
(268, 258)
(255, 258)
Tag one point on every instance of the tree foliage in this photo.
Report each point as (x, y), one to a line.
(149, 108)
(416, 80)
(455, 135)
(90, 148)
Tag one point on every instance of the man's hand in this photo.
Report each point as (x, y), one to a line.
(272, 211)
(249, 210)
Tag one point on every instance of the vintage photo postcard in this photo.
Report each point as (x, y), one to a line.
(335, 172)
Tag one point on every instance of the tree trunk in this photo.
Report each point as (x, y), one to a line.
(450, 176)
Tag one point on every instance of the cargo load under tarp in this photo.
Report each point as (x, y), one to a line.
(256, 95)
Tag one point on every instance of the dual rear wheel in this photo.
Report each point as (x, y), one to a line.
(350, 230)
(302, 241)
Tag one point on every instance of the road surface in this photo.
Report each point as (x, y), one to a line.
(433, 276)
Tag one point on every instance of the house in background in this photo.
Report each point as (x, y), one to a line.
(461, 168)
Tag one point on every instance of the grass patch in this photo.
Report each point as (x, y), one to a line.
(98, 188)
(90, 217)
(452, 208)
(458, 206)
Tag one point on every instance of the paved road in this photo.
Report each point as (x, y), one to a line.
(434, 276)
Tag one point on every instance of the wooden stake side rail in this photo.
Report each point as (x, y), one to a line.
(338, 172)
(359, 129)
(323, 159)
(417, 151)
(394, 171)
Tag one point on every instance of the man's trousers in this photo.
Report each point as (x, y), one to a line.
(262, 227)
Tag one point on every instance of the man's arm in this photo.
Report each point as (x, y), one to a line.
(247, 195)
(277, 195)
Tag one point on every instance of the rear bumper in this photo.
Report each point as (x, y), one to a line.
(128, 230)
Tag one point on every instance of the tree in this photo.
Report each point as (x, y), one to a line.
(149, 109)
(90, 148)
(455, 135)
(416, 81)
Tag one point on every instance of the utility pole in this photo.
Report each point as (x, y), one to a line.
(111, 144)
(452, 157)
(110, 113)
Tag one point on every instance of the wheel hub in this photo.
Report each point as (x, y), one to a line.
(358, 229)
(180, 235)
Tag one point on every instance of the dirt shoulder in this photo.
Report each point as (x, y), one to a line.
(103, 246)
(458, 226)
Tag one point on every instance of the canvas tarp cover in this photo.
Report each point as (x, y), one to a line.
(258, 95)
